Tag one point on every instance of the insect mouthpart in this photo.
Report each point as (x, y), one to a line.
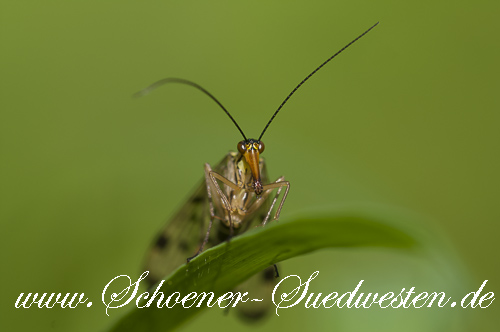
(257, 186)
(251, 150)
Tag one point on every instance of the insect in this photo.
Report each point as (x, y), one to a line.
(236, 193)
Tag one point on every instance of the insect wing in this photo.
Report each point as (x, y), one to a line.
(179, 239)
(259, 288)
(182, 235)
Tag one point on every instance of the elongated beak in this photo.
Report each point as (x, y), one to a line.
(252, 158)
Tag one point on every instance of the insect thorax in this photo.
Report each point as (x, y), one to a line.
(244, 202)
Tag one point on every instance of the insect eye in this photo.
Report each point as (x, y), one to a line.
(261, 147)
(242, 147)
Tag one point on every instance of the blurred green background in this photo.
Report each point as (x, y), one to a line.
(407, 117)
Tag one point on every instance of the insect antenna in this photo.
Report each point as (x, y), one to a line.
(159, 83)
(311, 74)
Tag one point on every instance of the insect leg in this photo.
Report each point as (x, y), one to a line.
(205, 240)
(278, 184)
(211, 178)
(281, 179)
(214, 177)
(212, 214)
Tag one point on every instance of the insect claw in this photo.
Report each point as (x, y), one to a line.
(277, 275)
(189, 259)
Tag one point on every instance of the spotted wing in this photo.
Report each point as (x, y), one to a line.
(259, 288)
(182, 235)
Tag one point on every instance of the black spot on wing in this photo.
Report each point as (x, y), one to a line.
(151, 281)
(162, 241)
(198, 199)
(184, 245)
(194, 216)
(269, 274)
(254, 315)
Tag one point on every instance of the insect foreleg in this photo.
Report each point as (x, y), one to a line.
(205, 240)
(264, 222)
(212, 216)
(211, 182)
(213, 177)
(278, 184)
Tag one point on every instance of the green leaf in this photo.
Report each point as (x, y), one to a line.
(223, 267)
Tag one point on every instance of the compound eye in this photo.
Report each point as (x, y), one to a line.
(261, 147)
(242, 147)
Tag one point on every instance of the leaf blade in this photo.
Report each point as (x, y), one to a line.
(223, 267)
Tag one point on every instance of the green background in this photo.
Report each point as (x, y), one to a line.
(407, 117)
